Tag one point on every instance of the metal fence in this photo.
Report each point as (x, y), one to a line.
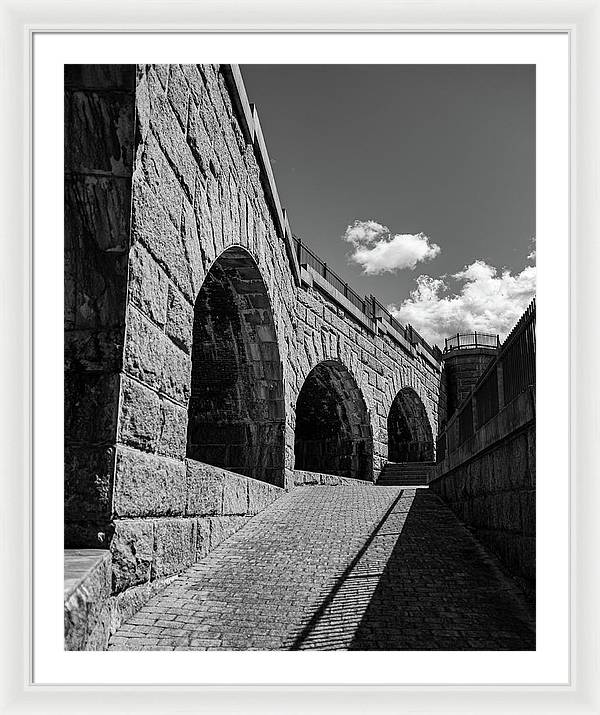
(308, 257)
(518, 359)
(510, 373)
(472, 340)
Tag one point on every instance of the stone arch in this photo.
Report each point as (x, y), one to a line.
(410, 438)
(333, 431)
(236, 413)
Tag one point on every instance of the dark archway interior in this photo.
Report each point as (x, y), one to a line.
(236, 417)
(333, 433)
(410, 438)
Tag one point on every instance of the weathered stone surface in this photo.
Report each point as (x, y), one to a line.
(173, 428)
(161, 179)
(492, 490)
(145, 347)
(103, 207)
(86, 594)
(175, 546)
(94, 351)
(92, 413)
(202, 537)
(106, 115)
(140, 419)
(148, 285)
(204, 488)
(88, 475)
(132, 549)
(177, 373)
(97, 77)
(178, 93)
(260, 495)
(153, 227)
(235, 495)
(166, 128)
(180, 320)
(148, 485)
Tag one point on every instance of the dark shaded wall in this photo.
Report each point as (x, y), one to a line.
(99, 138)
(486, 453)
(489, 482)
(461, 369)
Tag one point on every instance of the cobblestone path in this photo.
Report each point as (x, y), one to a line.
(346, 567)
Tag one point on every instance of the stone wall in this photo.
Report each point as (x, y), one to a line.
(99, 129)
(461, 369)
(208, 278)
(489, 482)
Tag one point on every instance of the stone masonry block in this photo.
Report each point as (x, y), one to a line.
(92, 413)
(132, 549)
(174, 546)
(144, 350)
(88, 479)
(180, 320)
(148, 485)
(108, 118)
(154, 229)
(177, 373)
(148, 284)
(178, 93)
(204, 489)
(172, 439)
(202, 537)
(140, 419)
(161, 178)
(260, 495)
(166, 128)
(235, 495)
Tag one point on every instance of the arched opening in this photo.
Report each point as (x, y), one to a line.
(410, 438)
(333, 431)
(236, 414)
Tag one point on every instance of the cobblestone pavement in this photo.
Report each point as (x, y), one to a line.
(346, 567)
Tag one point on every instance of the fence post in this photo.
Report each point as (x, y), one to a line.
(500, 376)
(474, 408)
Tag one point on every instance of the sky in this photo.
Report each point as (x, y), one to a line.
(416, 183)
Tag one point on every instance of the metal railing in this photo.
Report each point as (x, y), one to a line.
(509, 374)
(369, 306)
(461, 341)
(308, 257)
(519, 356)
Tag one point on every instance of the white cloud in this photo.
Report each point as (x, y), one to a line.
(532, 254)
(377, 250)
(488, 301)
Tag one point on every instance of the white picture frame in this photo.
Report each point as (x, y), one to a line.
(581, 20)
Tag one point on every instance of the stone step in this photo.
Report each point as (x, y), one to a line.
(405, 474)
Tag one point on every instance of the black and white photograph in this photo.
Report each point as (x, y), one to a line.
(300, 357)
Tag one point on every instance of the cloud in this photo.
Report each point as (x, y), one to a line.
(377, 250)
(488, 300)
(532, 254)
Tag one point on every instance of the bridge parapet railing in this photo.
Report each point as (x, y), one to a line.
(369, 306)
(308, 257)
(510, 373)
(460, 341)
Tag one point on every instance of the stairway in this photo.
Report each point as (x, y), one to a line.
(405, 474)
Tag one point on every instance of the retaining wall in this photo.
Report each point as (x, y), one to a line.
(489, 482)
